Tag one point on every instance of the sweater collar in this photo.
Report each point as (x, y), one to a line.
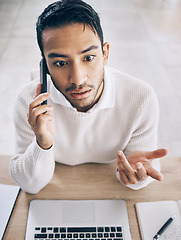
(106, 100)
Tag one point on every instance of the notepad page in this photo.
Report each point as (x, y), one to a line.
(152, 216)
(8, 195)
(179, 206)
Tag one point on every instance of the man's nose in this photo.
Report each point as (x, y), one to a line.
(77, 75)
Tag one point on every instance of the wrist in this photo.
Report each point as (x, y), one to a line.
(44, 146)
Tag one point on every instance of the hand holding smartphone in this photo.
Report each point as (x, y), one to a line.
(44, 138)
(43, 77)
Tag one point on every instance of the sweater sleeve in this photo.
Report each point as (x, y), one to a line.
(31, 167)
(145, 134)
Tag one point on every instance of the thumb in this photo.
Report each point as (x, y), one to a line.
(156, 153)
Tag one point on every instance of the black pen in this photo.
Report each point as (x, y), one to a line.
(164, 227)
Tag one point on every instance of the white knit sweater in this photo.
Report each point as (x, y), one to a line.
(125, 118)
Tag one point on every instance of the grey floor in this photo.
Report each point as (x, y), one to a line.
(145, 40)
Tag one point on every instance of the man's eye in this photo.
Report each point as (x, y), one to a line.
(89, 58)
(60, 63)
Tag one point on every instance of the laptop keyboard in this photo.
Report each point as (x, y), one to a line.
(79, 233)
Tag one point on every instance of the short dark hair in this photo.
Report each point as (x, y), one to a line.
(65, 12)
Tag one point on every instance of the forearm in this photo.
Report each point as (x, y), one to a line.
(33, 169)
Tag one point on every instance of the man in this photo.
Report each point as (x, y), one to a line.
(94, 113)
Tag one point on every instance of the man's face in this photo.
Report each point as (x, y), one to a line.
(76, 62)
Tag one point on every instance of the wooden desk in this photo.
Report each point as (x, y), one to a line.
(92, 181)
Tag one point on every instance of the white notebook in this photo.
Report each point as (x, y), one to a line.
(153, 215)
(8, 196)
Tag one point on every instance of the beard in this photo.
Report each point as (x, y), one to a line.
(84, 104)
(79, 104)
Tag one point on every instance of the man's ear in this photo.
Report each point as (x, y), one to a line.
(106, 52)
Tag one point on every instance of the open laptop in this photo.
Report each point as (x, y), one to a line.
(78, 220)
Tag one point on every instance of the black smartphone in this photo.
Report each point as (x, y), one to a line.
(43, 77)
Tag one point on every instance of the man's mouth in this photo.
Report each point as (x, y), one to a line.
(80, 94)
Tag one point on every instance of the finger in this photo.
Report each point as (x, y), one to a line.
(43, 118)
(40, 110)
(43, 111)
(123, 178)
(141, 172)
(37, 101)
(156, 153)
(129, 171)
(121, 159)
(154, 173)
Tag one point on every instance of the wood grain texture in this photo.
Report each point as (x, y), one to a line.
(93, 181)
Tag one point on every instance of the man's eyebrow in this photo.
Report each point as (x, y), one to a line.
(90, 48)
(54, 55)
